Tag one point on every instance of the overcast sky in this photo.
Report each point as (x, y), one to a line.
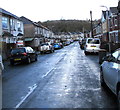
(43, 10)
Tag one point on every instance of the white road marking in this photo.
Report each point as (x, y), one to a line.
(31, 89)
(48, 72)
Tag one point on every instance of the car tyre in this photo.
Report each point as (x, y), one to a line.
(11, 62)
(118, 99)
(28, 60)
(102, 82)
(86, 53)
(36, 58)
(41, 52)
(51, 51)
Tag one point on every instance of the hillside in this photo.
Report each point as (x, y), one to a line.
(68, 25)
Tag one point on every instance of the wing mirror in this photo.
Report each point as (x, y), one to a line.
(109, 58)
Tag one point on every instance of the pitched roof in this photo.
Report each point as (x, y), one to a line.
(114, 10)
(26, 20)
(8, 13)
(104, 14)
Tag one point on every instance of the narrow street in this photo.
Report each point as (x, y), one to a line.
(64, 79)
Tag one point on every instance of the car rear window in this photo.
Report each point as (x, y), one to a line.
(44, 44)
(93, 41)
(18, 50)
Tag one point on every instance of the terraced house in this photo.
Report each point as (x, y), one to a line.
(108, 29)
(35, 33)
(11, 32)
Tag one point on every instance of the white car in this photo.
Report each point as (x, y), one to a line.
(92, 45)
(110, 73)
(46, 47)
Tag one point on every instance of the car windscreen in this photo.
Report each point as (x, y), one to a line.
(44, 44)
(93, 41)
(18, 50)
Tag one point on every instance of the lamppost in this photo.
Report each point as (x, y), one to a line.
(107, 13)
(91, 24)
(118, 22)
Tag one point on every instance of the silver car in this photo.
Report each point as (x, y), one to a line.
(110, 73)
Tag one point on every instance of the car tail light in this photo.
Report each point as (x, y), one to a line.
(24, 54)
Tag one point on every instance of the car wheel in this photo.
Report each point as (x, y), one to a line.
(86, 53)
(36, 58)
(51, 51)
(41, 52)
(102, 82)
(11, 62)
(118, 99)
(28, 60)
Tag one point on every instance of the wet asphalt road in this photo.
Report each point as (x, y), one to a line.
(64, 79)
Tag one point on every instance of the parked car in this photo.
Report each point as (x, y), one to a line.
(46, 47)
(57, 46)
(92, 45)
(110, 73)
(67, 42)
(23, 54)
(61, 44)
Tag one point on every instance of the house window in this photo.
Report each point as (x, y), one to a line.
(116, 36)
(19, 26)
(35, 30)
(111, 23)
(12, 24)
(115, 21)
(4, 23)
(113, 39)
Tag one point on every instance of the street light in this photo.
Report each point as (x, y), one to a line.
(91, 24)
(118, 7)
(108, 27)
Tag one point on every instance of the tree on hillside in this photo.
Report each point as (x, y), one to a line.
(67, 25)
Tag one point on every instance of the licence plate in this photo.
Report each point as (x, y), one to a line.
(17, 59)
(93, 46)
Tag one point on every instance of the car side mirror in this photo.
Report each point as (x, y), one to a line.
(109, 58)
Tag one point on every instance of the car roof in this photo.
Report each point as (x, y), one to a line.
(93, 38)
(21, 47)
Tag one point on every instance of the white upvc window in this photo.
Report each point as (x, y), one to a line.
(115, 21)
(19, 26)
(12, 24)
(35, 30)
(4, 22)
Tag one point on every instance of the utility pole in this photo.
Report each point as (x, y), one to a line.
(91, 24)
